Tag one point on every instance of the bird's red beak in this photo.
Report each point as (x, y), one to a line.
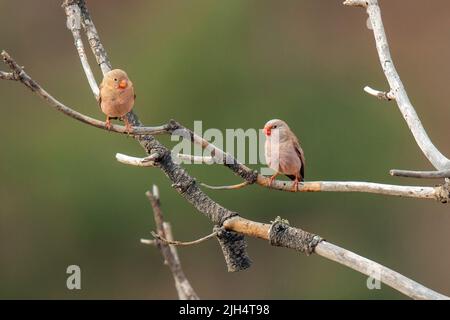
(267, 131)
(123, 84)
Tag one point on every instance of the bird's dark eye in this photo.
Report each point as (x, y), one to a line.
(275, 126)
(115, 79)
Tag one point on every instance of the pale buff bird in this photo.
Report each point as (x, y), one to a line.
(283, 152)
(116, 97)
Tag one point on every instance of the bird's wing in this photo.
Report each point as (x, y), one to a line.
(301, 155)
(99, 98)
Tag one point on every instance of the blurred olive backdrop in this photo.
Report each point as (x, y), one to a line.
(232, 64)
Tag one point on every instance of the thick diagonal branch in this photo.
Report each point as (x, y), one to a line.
(235, 253)
(281, 234)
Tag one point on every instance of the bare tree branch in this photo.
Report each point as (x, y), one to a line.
(397, 90)
(281, 234)
(7, 76)
(420, 174)
(73, 13)
(231, 239)
(297, 239)
(169, 252)
(438, 193)
(388, 276)
(196, 159)
(92, 35)
(24, 78)
(233, 246)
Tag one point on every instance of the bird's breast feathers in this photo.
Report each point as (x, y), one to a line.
(282, 157)
(117, 103)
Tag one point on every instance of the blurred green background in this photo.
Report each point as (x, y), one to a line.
(232, 64)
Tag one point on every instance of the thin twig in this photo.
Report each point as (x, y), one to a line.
(7, 76)
(149, 242)
(397, 89)
(231, 187)
(420, 174)
(356, 3)
(169, 252)
(379, 94)
(138, 162)
(184, 243)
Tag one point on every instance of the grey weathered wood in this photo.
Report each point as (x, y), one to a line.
(182, 181)
(280, 233)
(73, 14)
(421, 174)
(7, 76)
(368, 267)
(169, 252)
(397, 89)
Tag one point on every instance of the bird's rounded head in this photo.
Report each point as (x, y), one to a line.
(117, 78)
(275, 124)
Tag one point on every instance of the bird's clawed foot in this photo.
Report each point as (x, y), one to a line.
(295, 185)
(128, 126)
(271, 179)
(108, 123)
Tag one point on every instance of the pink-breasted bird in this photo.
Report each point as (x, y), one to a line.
(283, 151)
(116, 96)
